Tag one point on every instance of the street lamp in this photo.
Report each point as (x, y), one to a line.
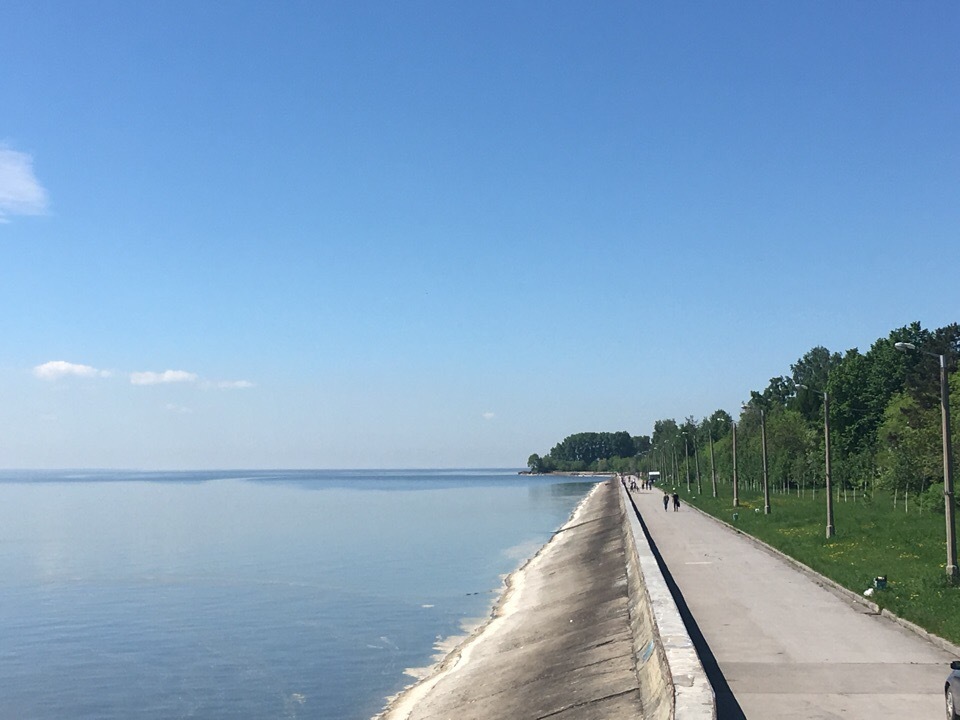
(713, 465)
(736, 485)
(696, 455)
(826, 451)
(686, 458)
(763, 451)
(947, 455)
(676, 465)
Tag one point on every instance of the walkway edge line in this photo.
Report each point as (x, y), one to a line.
(838, 589)
(673, 683)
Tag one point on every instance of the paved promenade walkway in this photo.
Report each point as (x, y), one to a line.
(778, 645)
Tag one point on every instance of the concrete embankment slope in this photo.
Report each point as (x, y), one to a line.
(567, 640)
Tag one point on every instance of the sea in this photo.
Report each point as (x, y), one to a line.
(250, 595)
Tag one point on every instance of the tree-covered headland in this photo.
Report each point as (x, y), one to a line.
(600, 451)
(884, 415)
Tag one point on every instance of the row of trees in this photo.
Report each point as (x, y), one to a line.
(884, 413)
(591, 451)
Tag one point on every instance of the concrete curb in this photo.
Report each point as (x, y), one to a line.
(668, 666)
(836, 588)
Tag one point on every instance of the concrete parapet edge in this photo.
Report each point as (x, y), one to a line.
(673, 683)
(838, 589)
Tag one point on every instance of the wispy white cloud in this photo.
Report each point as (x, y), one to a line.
(160, 378)
(20, 191)
(56, 369)
(179, 409)
(234, 384)
(488, 415)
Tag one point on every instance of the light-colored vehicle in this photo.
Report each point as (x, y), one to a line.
(952, 691)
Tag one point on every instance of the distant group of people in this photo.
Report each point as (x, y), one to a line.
(647, 484)
(644, 484)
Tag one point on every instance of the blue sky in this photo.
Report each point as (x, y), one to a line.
(436, 234)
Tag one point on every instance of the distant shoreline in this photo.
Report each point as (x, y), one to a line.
(570, 473)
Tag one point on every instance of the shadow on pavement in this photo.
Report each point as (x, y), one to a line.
(727, 706)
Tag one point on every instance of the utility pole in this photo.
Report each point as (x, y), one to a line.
(763, 442)
(736, 490)
(696, 455)
(713, 466)
(826, 450)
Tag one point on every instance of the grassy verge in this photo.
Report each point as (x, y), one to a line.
(872, 539)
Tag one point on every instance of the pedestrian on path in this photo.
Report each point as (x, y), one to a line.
(666, 501)
(676, 502)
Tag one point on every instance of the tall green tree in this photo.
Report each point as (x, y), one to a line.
(813, 371)
(717, 425)
(909, 446)
(789, 436)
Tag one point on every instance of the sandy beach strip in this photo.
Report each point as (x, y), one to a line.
(513, 597)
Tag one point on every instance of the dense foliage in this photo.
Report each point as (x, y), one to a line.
(591, 451)
(884, 416)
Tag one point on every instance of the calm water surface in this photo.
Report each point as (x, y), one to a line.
(248, 594)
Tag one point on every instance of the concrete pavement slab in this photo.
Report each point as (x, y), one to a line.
(775, 642)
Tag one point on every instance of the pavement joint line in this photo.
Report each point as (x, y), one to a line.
(587, 703)
(605, 660)
(585, 522)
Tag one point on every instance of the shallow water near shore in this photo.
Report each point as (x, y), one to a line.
(249, 594)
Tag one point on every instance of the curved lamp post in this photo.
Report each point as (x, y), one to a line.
(696, 455)
(826, 451)
(947, 455)
(713, 465)
(736, 484)
(763, 452)
(676, 466)
(766, 484)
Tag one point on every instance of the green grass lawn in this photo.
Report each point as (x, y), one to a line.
(872, 539)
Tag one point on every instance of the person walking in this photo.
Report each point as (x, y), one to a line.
(676, 502)
(666, 500)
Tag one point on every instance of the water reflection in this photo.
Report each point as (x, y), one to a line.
(229, 594)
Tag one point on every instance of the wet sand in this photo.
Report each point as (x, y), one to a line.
(558, 642)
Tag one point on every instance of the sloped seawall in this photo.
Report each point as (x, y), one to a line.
(672, 680)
